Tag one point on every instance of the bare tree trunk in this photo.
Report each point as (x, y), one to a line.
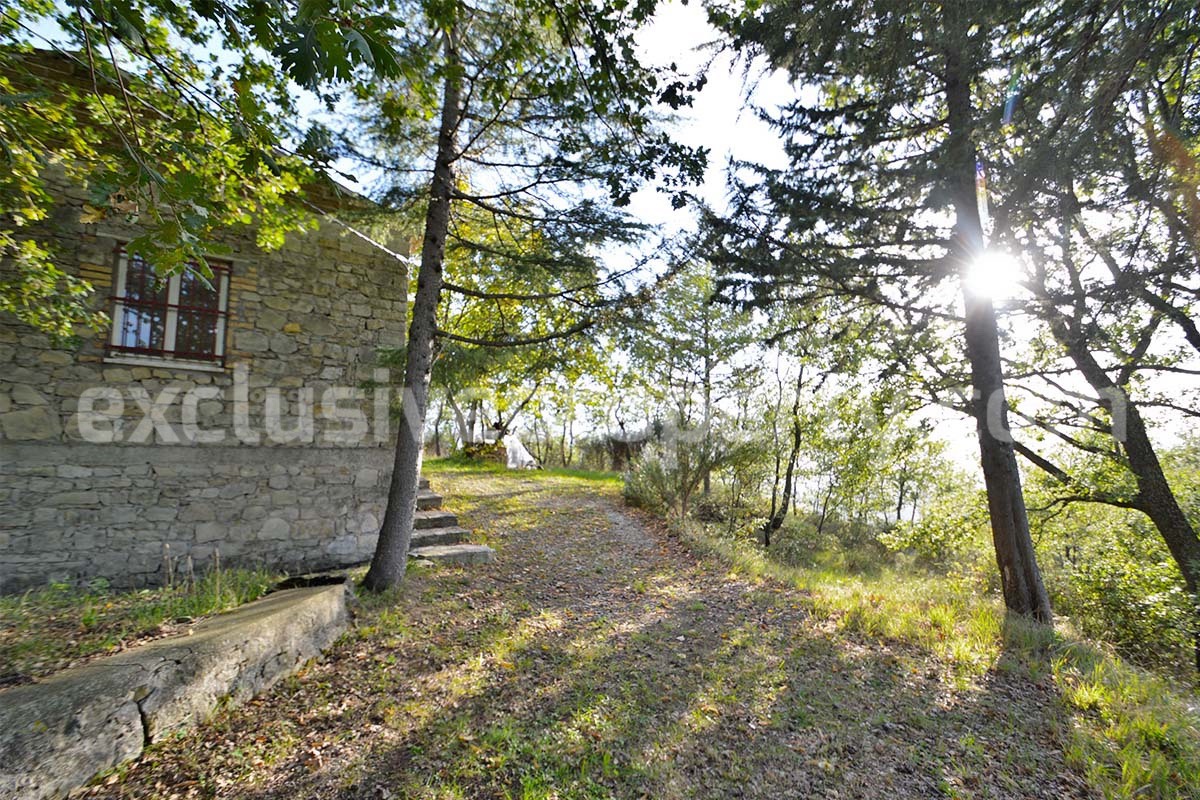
(391, 551)
(459, 419)
(778, 459)
(780, 514)
(825, 507)
(708, 370)
(1024, 592)
(570, 459)
(472, 417)
(437, 430)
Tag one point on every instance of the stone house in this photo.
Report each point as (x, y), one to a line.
(243, 417)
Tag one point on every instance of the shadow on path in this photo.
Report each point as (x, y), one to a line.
(598, 658)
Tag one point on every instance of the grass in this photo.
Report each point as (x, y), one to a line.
(1134, 733)
(47, 629)
(599, 658)
(459, 464)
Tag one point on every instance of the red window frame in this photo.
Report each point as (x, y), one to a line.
(163, 311)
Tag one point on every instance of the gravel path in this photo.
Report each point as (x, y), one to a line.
(598, 657)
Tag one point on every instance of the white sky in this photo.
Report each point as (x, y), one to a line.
(719, 118)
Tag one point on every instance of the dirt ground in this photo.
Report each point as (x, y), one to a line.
(599, 657)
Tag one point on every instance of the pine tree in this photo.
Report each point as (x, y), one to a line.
(544, 116)
(879, 202)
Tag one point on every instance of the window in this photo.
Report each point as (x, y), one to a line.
(180, 318)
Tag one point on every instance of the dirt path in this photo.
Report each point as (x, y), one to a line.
(600, 658)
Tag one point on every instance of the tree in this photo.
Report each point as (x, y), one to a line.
(545, 103)
(122, 105)
(504, 284)
(880, 202)
(689, 346)
(1109, 232)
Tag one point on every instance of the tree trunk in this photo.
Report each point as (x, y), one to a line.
(472, 417)
(780, 514)
(437, 430)
(1155, 497)
(391, 551)
(1024, 592)
(459, 420)
(775, 451)
(825, 507)
(708, 370)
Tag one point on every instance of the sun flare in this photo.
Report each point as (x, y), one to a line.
(996, 274)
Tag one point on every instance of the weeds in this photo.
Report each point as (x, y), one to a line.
(47, 629)
(1135, 734)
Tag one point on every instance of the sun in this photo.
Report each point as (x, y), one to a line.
(995, 274)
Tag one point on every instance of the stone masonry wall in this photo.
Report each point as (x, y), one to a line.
(86, 511)
(310, 316)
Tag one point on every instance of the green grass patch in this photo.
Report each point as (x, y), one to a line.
(44, 630)
(1133, 734)
(461, 464)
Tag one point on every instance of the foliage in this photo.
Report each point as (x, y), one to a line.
(124, 107)
(952, 523)
(671, 468)
(651, 483)
(505, 284)
(1114, 578)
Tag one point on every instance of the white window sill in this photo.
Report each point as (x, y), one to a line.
(165, 363)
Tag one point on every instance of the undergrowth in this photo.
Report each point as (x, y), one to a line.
(1133, 734)
(460, 463)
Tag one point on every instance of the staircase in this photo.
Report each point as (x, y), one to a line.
(437, 535)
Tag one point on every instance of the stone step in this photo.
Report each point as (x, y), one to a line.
(425, 520)
(456, 553)
(427, 500)
(423, 483)
(437, 536)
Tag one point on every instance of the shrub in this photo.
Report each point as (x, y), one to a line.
(647, 484)
(1108, 570)
(950, 527)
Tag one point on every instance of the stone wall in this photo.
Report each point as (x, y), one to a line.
(310, 316)
(84, 511)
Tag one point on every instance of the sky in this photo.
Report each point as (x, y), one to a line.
(719, 119)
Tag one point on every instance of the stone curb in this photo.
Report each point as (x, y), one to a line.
(57, 734)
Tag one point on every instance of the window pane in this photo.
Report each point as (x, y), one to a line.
(143, 327)
(196, 333)
(196, 291)
(144, 317)
(142, 284)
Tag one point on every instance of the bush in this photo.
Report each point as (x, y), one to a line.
(797, 542)
(1108, 570)
(951, 526)
(647, 484)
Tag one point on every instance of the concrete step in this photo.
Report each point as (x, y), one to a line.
(427, 500)
(425, 520)
(456, 553)
(423, 483)
(437, 536)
